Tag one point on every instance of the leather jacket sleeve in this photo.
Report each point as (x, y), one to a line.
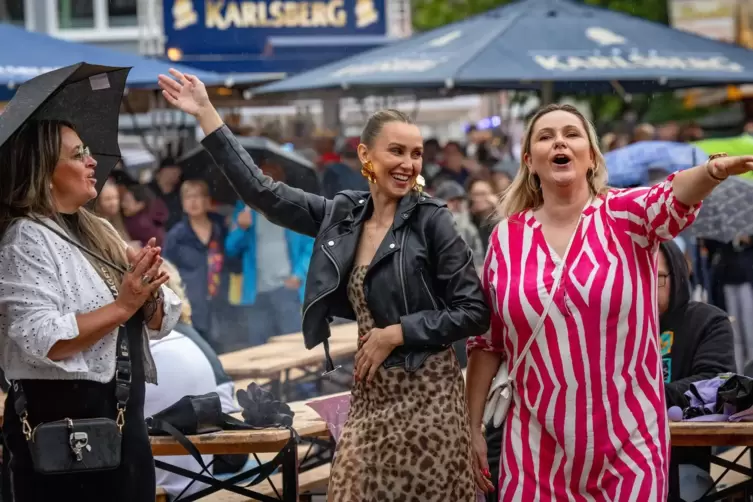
(465, 312)
(281, 204)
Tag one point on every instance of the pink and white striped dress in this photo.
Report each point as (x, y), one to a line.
(588, 422)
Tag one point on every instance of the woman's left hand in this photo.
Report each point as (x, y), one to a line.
(134, 253)
(377, 345)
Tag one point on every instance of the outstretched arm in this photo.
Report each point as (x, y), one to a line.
(281, 204)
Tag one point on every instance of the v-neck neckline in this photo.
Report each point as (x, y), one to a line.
(532, 221)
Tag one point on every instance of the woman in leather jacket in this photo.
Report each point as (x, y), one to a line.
(392, 260)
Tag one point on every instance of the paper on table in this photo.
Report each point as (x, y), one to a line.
(334, 411)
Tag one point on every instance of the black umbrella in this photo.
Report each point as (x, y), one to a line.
(88, 96)
(726, 213)
(299, 171)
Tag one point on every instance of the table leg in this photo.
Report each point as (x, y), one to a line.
(275, 387)
(290, 473)
(286, 387)
(674, 482)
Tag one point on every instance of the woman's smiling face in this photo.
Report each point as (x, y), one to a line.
(396, 158)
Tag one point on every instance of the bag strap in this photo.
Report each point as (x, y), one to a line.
(122, 356)
(558, 272)
(79, 246)
(122, 386)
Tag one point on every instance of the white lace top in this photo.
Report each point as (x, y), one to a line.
(44, 283)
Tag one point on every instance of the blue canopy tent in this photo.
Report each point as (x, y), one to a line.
(558, 45)
(288, 55)
(26, 54)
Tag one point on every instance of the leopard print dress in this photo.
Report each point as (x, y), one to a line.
(407, 436)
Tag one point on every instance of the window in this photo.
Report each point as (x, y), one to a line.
(75, 14)
(122, 13)
(93, 19)
(12, 11)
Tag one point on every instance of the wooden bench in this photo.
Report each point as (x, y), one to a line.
(310, 482)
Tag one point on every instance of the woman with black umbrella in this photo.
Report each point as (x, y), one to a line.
(76, 307)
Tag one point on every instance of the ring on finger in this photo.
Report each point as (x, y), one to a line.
(145, 279)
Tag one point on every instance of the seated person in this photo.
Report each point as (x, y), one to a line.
(186, 367)
(696, 344)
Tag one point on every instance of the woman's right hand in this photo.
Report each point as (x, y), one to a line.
(185, 92)
(142, 280)
(481, 462)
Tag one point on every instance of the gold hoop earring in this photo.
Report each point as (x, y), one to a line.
(533, 182)
(367, 171)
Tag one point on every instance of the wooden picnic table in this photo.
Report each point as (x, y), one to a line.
(306, 422)
(711, 433)
(338, 332)
(245, 363)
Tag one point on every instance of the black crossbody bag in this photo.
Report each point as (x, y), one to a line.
(85, 444)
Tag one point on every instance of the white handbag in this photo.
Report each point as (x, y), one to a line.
(500, 395)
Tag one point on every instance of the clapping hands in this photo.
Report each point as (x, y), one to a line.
(143, 278)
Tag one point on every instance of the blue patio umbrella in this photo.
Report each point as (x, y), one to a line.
(26, 54)
(523, 45)
(632, 165)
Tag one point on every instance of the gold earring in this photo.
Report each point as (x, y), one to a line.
(367, 171)
(419, 183)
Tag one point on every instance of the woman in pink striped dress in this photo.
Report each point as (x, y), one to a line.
(588, 420)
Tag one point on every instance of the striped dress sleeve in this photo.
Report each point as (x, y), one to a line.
(651, 214)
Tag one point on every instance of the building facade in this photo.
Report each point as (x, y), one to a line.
(137, 25)
(128, 25)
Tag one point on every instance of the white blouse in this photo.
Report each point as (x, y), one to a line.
(44, 283)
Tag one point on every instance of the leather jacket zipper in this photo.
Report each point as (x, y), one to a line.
(337, 269)
(402, 270)
(428, 291)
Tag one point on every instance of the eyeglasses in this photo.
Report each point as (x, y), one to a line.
(81, 154)
(663, 280)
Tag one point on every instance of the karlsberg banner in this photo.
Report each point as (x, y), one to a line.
(235, 27)
(609, 52)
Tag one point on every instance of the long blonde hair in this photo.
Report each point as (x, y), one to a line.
(115, 220)
(175, 284)
(525, 190)
(28, 160)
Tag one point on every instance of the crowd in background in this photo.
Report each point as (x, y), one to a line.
(245, 276)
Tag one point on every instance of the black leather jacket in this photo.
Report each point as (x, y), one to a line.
(422, 276)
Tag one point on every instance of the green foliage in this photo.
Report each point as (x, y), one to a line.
(430, 14)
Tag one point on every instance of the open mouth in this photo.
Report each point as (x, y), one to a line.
(561, 159)
(402, 178)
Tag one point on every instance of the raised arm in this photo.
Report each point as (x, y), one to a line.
(664, 210)
(281, 204)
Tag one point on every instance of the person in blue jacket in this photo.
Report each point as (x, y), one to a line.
(194, 245)
(275, 263)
